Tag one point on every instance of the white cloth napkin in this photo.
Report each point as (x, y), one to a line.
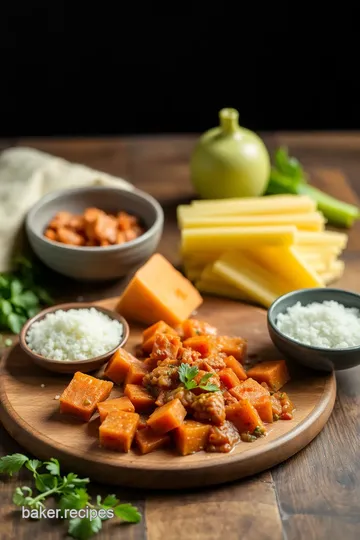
(25, 176)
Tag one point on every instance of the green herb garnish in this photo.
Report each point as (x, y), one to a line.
(187, 376)
(71, 494)
(20, 296)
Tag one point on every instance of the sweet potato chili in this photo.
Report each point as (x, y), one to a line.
(93, 228)
(190, 391)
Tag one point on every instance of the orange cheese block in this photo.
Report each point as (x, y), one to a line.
(159, 292)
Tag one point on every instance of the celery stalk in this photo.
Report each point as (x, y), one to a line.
(336, 212)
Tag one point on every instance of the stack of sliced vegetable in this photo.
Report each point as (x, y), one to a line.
(259, 248)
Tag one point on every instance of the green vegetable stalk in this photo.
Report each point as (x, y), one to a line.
(288, 177)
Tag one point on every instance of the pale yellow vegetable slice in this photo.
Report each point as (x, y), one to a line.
(247, 275)
(233, 238)
(218, 288)
(289, 265)
(194, 258)
(312, 221)
(335, 273)
(325, 238)
(273, 204)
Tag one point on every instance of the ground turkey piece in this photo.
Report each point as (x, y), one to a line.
(222, 438)
(162, 377)
(189, 356)
(210, 407)
(215, 361)
(229, 398)
(186, 396)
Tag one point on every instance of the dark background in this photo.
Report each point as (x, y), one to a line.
(84, 69)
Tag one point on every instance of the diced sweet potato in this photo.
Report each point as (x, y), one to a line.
(228, 377)
(118, 404)
(204, 345)
(67, 236)
(264, 408)
(50, 234)
(237, 368)
(118, 430)
(148, 441)
(245, 417)
(191, 437)
(168, 417)
(82, 395)
(258, 396)
(136, 373)
(233, 346)
(119, 365)
(274, 373)
(158, 328)
(193, 327)
(141, 399)
(165, 346)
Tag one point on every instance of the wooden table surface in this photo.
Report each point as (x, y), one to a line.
(314, 495)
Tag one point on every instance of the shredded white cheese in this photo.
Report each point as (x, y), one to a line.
(76, 334)
(328, 325)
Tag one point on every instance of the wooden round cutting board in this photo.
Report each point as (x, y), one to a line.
(30, 413)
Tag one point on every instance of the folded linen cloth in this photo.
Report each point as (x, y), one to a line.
(26, 175)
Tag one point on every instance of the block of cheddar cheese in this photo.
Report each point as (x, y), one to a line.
(158, 292)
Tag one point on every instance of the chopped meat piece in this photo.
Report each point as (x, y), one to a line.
(186, 396)
(164, 377)
(165, 346)
(222, 438)
(210, 407)
(229, 398)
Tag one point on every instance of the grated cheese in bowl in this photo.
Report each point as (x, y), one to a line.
(328, 325)
(75, 334)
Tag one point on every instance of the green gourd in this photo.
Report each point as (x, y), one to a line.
(229, 161)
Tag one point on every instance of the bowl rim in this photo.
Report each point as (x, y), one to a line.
(159, 219)
(66, 307)
(325, 350)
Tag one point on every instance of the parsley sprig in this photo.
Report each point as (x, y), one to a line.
(70, 492)
(187, 376)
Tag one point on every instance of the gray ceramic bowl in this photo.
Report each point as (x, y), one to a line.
(314, 357)
(85, 366)
(95, 263)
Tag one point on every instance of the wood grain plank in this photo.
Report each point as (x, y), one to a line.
(228, 512)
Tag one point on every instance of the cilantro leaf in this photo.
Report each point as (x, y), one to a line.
(82, 529)
(12, 463)
(15, 288)
(186, 375)
(76, 499)
(19, 497)
(72, 480)
(33, 465)
(53, 466)
(127, 512)
(209, 387)
(205, 378)
(27, 299)
(110, 501)
(45, 482)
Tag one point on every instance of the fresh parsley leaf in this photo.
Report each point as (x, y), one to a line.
(12, 463)
(127, 512)
(45, 482)
(15, 288)
(53, 466)
(205, 378)
(26, 299)
(209, 387)
(186, 375)
(19, 497)
(82, 529)
(76, 499)
(72, 480)
(110, 501)
(33, 465)
(5, 307)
